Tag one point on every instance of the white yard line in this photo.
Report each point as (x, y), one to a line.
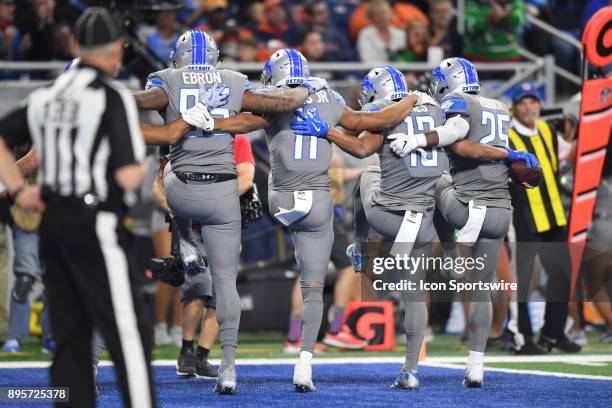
(442, 362)
(531, 372)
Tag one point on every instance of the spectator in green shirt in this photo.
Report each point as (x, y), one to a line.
(492, 30)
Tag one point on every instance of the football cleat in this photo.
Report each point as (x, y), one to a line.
(302, 377)
(226, 379)
(562, 344)
(473, 377)
(186, 366)
(204, 369)
(407, 381)
(11, 346)
(344, 339)
(354, 256)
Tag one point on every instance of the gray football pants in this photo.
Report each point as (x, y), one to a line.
(387, 223)
(216, 207)
(313, 237)
(452, 214)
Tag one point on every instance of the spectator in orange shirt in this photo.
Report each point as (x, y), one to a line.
(403, 14)
(275, 33)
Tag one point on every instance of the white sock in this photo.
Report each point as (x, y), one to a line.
(162, 326)
(475, 358)
(305, 357)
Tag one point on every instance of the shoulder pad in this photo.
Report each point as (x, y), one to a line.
(454, 104)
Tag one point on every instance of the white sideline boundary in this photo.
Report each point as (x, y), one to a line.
(441, 362)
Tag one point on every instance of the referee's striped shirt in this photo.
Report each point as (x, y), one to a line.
(542, 208)
(84, 126)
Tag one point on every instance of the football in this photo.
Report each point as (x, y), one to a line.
(528, 177)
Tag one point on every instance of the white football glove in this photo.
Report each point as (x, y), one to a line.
(424, 98)
(403, 144)
(199, 117)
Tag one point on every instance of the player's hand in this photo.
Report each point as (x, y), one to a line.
(314, 84)
(402, 144)
(424, 98)
(530, 159)
(199, 117)
(309, 125)
(215, 96)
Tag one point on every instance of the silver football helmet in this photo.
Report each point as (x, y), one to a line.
(453, 75)
(195, 49)
(383, 83)
(285, 67)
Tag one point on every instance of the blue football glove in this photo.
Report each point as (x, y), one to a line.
(215, 96)
(311, 126)
(530, 159)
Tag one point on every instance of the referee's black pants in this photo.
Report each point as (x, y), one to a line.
(553, 250)
(88, 284)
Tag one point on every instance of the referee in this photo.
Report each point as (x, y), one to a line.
(539, 222)
(90, 148)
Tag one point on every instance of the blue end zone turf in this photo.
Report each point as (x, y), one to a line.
(342, 385)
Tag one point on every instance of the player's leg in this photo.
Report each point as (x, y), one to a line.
(193, 308)
(27, 270)
(294, 334)
(216, 207)
(208, 334)
(445, 228)
(223, 245)
(485, 254)
(312, 237)
(165, 293)
(194, 291)
(387, 224)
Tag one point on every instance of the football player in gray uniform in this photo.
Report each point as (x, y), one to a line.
(477, 201)
(299, 184)
(202, 185)
(399, 194)
(396, 199)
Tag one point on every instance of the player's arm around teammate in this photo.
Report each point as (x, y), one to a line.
(452, 134)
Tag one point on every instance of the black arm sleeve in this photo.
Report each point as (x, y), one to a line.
(122, 127)
(14, 127)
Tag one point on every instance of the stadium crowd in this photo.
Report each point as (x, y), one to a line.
(334, 30)
(374, 31)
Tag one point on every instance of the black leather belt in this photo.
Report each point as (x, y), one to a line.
(208, 178)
